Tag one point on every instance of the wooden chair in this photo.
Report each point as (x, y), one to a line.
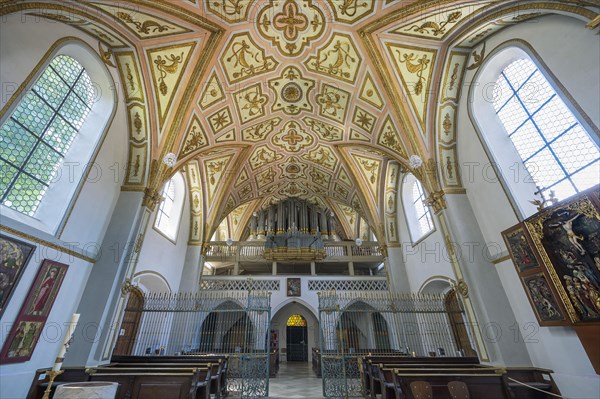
(421, 390)
(458, 390)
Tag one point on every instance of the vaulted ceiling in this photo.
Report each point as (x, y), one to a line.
(266, 99)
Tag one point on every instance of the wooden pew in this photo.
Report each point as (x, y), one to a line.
(534, 377)
(156, 382)
(219, 377)
(482, 384)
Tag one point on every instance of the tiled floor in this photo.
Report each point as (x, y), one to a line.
(295, 380)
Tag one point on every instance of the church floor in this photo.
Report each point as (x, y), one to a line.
(295, 380)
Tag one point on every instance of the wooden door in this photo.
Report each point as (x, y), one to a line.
(457, 322)
(130, 323)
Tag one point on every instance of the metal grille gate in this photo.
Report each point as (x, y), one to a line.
(353, 324)
(235, 323)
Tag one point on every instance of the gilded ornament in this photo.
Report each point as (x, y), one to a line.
(462, 288)
(244, 59)
(146, 27)
(415, 65)
(454, 76)
(168, 65)
(106, 55)
(338, 59)
(477, 58)
(432, 27)
(126, 287)
(436, 201)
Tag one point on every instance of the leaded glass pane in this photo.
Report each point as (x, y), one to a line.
(554, 118)
(51, 88)
(575, 149)
(38, 146)
(74, 111)
(15, 142)
(43, 163)
(25, 195)
(502, 92)
(60, 135)
(67, 67)
(296, 320)
(7, 172)
(512, 115)
(548, 137)
(33, 113)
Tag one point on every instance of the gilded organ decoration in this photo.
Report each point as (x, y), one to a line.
(260, 130)
(214, 172)
(390, 138)
(195, 138)
(220, 120)
(292, 138)
(369, 93)
(263, 155)
(244, 59)
(333, 103)
(231, 11)
(364, 119)
(212, 93)
(291, 92)
(414, 66)
(339, 59)
(250, 103)
(168, 65)
(325, 131)
(322, 156)
(144, 26)
(291, 24)
(350, 11)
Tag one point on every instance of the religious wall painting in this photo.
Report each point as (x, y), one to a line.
(14, 256)
(293, 287)
(543, 301)
(520, 249)
(34, 312)
(567, 237)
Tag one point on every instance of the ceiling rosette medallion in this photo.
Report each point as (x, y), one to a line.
(244, 59)
(294, 168)
(291, 25)
(291, 91)
(292, 138)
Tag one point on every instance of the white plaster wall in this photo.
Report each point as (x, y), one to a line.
(162, 256)
(571, 53)
(23, 43)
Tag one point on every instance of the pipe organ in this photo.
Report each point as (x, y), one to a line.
(293, 229)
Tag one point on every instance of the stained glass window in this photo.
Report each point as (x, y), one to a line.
(35, 138)
(296, 320)
(556, 149)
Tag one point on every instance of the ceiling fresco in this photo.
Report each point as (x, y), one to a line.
(266, 99)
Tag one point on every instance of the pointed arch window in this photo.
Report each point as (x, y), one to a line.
(38, 134)
(169, 211)
(555, 147)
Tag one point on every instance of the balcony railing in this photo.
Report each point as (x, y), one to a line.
(250, 251)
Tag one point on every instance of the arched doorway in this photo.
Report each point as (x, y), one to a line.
(457, 323)
(130, 323)
(297, 339)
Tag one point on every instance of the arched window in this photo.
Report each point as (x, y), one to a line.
(418, 214)
(555, 148)
(50, 134)
(39, 132)
(169, 212)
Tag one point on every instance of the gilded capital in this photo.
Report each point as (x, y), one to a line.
(462, 288)
(126, 287)
(151, 198)
(437, 201)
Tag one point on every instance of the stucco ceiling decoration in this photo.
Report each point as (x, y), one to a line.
(369, 92)
(262, 156)
(228, 135)
(168, 65)
(333, 103)
(291, 92)
(195, 138)
(324, 130)
(244, 59)
(390, 138)
(322, 156)
(220, 120)
(213, 92)
(370, 172)
(215, 170)
(338, 59)
(364, 119)
(292, 138)
(196, 201)
(351, 11)
(250, 103)
(261, 130)
(242, 178)
(291, 25)
(231, 11)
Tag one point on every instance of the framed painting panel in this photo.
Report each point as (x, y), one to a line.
(32, 317)
(293, 287)
(544, 302)
(14, 256)
(567, 237)
(520, 248)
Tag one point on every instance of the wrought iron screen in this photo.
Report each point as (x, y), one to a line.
(235, 323)
(354, 323)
